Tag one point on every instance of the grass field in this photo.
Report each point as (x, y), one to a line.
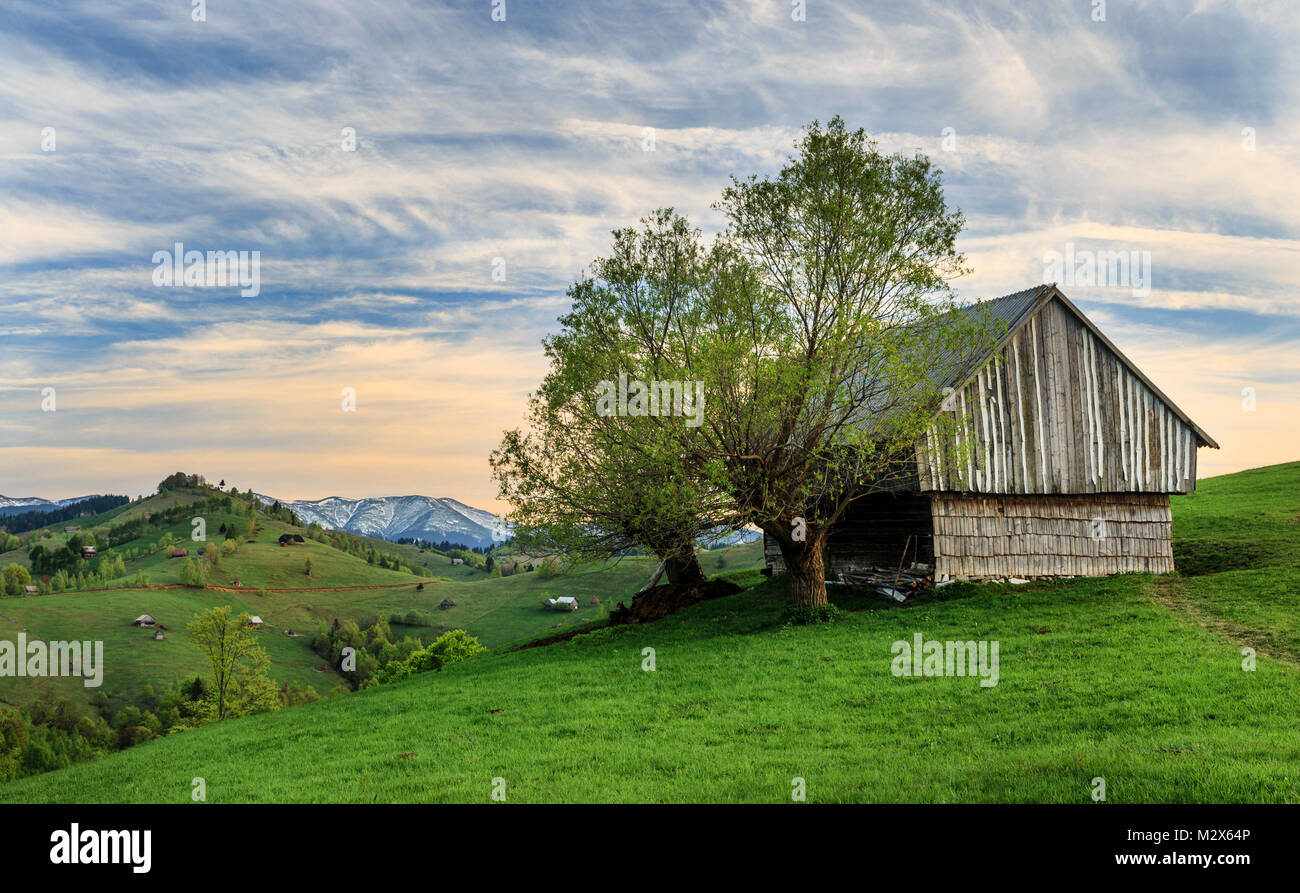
(497, 610)
(1134, 679)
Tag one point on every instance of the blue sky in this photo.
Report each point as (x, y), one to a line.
(525, 140)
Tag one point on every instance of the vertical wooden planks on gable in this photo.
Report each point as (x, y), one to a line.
(1039, 443)
(1122, 443)
(1017, 348)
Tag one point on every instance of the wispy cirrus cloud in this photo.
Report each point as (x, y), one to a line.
(516, 146)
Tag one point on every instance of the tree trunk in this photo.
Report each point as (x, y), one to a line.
(654, 580)
(685, 570)
(805, 573)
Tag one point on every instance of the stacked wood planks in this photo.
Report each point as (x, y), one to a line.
(899, 584)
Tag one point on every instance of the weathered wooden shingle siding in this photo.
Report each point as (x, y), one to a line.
(1055, 411)
(1048, 536)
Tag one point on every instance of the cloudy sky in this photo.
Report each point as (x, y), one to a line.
(515, 146)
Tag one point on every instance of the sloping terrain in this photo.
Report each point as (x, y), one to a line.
(1111, 678)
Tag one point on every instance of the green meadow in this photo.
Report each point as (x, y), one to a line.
(1135, 679)
(274, 585)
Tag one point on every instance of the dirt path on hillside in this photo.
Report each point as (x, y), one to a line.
(1169, 593)
(251, 589)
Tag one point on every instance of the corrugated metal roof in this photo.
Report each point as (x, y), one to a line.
(1003, 315)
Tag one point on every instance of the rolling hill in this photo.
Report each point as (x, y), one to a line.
(270, 580)
(1136, 679)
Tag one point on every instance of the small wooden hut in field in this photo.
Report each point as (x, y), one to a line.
(1061, 462)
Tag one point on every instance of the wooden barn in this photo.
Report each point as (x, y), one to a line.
(1061, 462)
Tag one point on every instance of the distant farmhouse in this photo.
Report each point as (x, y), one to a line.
(1061, 465)
(292, 539)
(179, 553)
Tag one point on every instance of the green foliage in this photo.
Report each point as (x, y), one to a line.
(807, 615)
(451, 647)
(16, 579)
(238, 683)
(193, 573)
(818, 353)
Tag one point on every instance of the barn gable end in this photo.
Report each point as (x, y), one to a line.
(1057, 409)
(1061, 464)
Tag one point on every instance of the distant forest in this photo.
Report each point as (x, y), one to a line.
(39, 518)
(444, 546)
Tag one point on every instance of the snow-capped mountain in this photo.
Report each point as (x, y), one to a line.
(16, 505)
(394, 517)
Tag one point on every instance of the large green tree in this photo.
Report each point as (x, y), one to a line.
(825, 373)
(820, 324)
(588, 481)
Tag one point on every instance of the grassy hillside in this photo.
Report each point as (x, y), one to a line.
(497, 611)
(1134, 679)
(273, 583)
(1237, 550)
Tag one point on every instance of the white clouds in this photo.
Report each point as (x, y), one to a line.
(524, 142)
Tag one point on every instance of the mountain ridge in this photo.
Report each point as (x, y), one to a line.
(13, 505)
(433, 518)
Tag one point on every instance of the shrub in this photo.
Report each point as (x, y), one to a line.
(16, 580)
(193, 573)
(449, 648)
(811, 614)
